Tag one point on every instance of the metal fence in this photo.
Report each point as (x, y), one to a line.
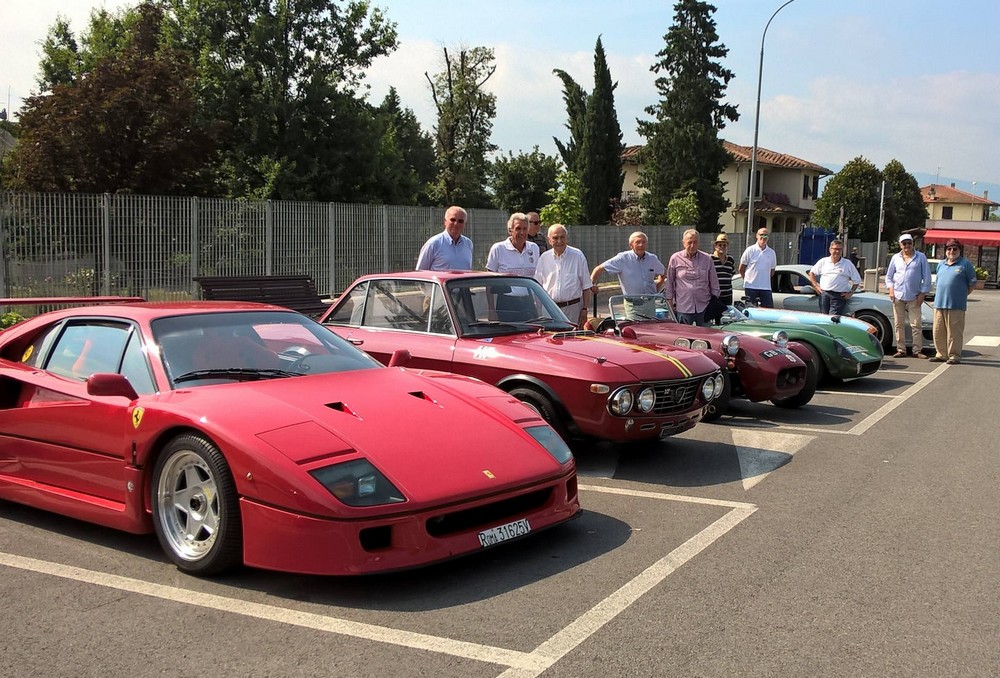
(154, 246)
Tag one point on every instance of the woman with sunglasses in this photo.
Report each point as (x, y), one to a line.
(956, 278)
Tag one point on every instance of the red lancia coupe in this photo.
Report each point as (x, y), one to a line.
(247, 433)
(507, 331)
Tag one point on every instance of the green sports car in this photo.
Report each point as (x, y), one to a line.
(840, 350)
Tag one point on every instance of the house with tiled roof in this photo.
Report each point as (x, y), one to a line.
(785, 191)
(954, 213)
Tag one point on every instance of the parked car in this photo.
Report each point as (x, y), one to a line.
(793, 291)
(247, 433)
(508, 332)
(842, 347)
(758, 369)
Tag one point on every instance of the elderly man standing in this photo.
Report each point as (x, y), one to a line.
(691, 281)
(448, 250)
(517, 256)
(756, 267)
(639, 273)
(534, 226)
(565, 275)
(838, 279)
(908, 279)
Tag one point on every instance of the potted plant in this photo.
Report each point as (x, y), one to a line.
(981, 276)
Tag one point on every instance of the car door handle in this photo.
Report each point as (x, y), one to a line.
(355, 342)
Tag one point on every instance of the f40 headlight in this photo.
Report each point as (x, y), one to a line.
(552, 442)
(358, 483)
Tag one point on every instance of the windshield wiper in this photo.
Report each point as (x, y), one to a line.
(240, 373)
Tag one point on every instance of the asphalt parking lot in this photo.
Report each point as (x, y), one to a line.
(856, 536)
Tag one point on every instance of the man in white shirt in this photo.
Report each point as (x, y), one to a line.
(517, 256)
(838, 278)
(756, 267)
(565, 275)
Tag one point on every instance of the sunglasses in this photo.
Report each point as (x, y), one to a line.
(534, 222)
(950, 248)
(764, 237)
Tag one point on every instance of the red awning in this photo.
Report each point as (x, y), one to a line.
(967, 238)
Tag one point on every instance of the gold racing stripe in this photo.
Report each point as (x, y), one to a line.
(677, 363)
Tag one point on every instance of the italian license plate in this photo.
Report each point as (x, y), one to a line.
(495, 535)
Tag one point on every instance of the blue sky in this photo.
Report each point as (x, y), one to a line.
(913, 80)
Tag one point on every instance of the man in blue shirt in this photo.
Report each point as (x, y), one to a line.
(449, 250)
(908, 279)
(639, 273)
(956, 278)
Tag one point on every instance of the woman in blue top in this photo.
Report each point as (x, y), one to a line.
(956, 278)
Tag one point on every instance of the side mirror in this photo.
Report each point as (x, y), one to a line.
(105, 384)
(399, 358)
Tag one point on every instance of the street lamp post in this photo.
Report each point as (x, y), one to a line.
(756, 125)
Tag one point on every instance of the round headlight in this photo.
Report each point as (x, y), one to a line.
(720, 384)
(621, 401)
(682, 342)
(731, 344)
(699, 344)
(646, 399)
(780, 338)
(708, 389)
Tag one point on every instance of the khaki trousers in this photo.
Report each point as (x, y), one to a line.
(949, 328)
(901, 312)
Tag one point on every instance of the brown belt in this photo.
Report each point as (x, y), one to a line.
(564, 304)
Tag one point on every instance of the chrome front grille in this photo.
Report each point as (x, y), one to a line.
(675, 396)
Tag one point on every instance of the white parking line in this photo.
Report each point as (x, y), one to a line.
(519, 664)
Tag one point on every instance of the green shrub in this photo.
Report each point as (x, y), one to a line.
(982, 273)
(11, 318)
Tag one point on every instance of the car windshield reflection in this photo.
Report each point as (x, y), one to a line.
(212, 348)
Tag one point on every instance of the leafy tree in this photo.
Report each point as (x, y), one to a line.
(285, 79)
(683, 150)
(856, 188)
(61, 61)
(599, 161)
(407, 152)
(904, 207)
(465, 113)
(130, 125)
(576, 110)
(683, 209)
(565, 206)
(521, 183)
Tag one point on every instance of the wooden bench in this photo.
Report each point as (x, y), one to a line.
(297, 292)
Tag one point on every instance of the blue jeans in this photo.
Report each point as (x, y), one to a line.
(760, 298)
(833, 303)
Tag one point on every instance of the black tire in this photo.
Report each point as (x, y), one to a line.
(543, 406)
(719, 405)
(821, 372)
(807, 392)
(883, 328)
(196, 512)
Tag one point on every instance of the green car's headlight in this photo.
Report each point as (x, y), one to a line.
(620, 401)
(552, 442)
(843, 351)
(358, 483)
(731, 344)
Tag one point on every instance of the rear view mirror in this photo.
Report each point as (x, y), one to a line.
(399, 358)
(106, 384)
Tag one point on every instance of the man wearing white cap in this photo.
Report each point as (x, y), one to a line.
(908, 279)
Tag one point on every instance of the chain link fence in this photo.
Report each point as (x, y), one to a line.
(154, 246)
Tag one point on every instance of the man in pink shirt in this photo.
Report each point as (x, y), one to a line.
(691, 281)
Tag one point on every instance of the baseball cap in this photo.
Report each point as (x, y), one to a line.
(905, 236)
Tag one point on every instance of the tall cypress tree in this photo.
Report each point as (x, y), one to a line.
(683, 150)
(600, 153)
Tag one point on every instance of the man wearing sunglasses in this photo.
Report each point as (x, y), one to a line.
(756, 267)
(534, 232)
